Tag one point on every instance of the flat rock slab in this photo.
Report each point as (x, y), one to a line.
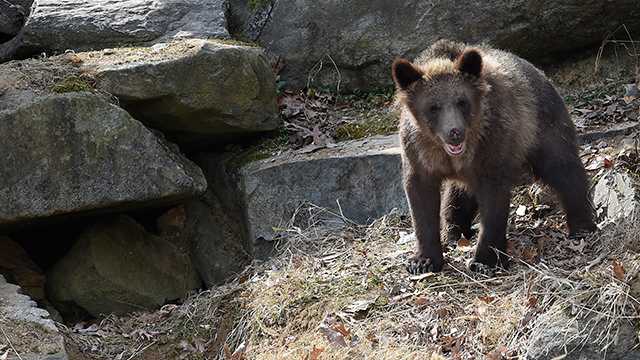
(75, 152)
(359, 179)
(193, 90)
(59, 25)
(29, 329)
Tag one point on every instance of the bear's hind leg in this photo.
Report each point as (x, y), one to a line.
(460, 208)
(560, 167)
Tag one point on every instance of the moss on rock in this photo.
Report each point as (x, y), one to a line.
(71, 84)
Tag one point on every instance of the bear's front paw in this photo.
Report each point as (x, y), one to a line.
(423, 264)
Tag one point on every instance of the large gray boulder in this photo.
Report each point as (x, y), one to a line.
(58, 25)
(354, 41)
(32, 335)
(75, 152)
(13, 14)
(194, 90)
(359, 179)
(116, 266)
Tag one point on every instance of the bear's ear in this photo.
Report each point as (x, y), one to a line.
(470, 62)
(405, 73)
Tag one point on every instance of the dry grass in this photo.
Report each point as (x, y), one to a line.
(337, 290)
(344, 290)
(327, 273)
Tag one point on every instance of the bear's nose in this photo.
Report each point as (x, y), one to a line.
(456, 136)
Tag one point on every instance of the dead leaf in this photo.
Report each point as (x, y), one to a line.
(442, 312)
(487, 299)
(521, 211)
(333, 336)
(339, 327)
(607, 163)
(400, 298)
(595, 164)
(422, 301)
(360, 308)
(631, 93)
(238, 354)
(499, 353)
(463, 242)
(315, 353)
(532, 302)
(434, 332)
(373, 338)
(225, 349)
(618, 270)
(291, 105)
(529, 255)
(406, 238)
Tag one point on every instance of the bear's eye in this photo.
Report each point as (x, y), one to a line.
(433, 109)
(462, 103)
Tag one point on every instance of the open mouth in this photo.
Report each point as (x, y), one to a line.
(454, 150)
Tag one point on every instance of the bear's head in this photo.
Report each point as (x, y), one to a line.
(444, 96)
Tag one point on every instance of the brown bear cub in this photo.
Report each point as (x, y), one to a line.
(475, 119)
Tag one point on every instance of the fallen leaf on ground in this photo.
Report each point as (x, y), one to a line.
(333, 336)
(497, 354)
(618, 270)
(607, 163)
(238, 354)
(463, 242)
(487, 299)
(421, 301)
(339, 327)
(359, 308)
(315, 353)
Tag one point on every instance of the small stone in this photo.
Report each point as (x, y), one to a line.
(521, 211)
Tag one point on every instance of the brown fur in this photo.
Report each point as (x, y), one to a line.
(513, 120)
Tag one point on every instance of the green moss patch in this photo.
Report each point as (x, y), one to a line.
(71, 84)
(258, 4)
(263, 148)
(382, 124)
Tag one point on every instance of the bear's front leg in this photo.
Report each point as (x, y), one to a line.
(423, 194)
(493, 201)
